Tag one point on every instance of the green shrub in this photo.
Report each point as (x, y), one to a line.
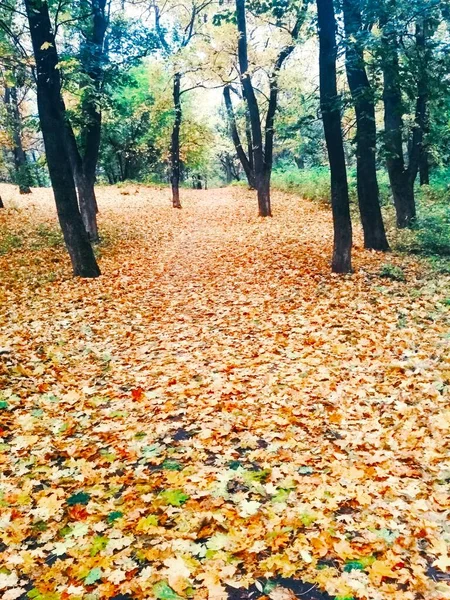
(393, 272)
(9, 241)
(48, 237)
(312, 184)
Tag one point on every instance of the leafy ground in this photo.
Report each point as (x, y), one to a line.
(218, 412)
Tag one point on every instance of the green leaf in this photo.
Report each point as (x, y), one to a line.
(93, 576)
(353, 565)
(113, 516)
(79, 498)
(174, 497)
(163, 591)
(99, 544)
(171, 465)
(3, 404)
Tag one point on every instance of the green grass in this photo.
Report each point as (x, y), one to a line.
(9, 241)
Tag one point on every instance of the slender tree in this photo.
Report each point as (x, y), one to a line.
(402, 174)
(262, 142)
(366, 135)
(22, 172)
(244, 158)
(52, 119)
(331, 116)
(172, 49)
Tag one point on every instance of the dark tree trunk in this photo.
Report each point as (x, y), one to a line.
(254, 115)
(175, 145)
(401, 178)
(86, 195)
(1, 203)
(366, 135)
(331, 116)
(424, 168)
(52, 119)
(22, 172)
(422, 110)
(94, 57)
(244, 160)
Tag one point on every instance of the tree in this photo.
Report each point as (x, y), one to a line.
(330, 107)
(262, 146)
(245, 159)
(22, 172)
(366, 134)
(401, 176)
(187, 18)
(52, 119)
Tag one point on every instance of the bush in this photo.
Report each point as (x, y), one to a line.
(433, 230)
(393, 272)
(312, 184)
(9, 241)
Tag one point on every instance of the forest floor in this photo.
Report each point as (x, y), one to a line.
(217, 411)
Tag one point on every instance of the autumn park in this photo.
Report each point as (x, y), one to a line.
(224, 299)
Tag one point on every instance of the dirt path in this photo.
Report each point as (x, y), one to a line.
(218, 407)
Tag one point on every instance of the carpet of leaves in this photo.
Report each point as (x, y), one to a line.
(218, 413)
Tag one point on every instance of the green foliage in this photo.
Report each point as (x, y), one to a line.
(9, 241)
(393, 272)
(312, 184)
(163, 591)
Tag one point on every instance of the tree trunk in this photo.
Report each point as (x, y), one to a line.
(94, 56)
(424, 168)
(253, 111)
(399, 177)
(366, 135)
(422, 114)
(22, 172)
(330, 108)
(52, 120)
(86, 194)
(175, 145)
(1, 203)
(244, 160)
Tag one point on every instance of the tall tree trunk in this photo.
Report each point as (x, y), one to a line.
(254, 115)
(86, 195)
(175, 145)
(244, 160)
(422, 114)
(331, 116)
(22, 172)
(1, 203)
(402, 184)
(366, 135)
(92, 123)
(424, 168)
(52, 119)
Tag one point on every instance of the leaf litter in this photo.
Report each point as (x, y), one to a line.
(218, 416)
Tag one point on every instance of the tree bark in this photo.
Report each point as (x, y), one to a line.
(244, 160)
(85, 189)
(1, 203)
(94, 56)
(175, 144)
(401, 178)
(52, 119)
(22, 172)
(366, 135)
(330, 108)
(254, 115)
